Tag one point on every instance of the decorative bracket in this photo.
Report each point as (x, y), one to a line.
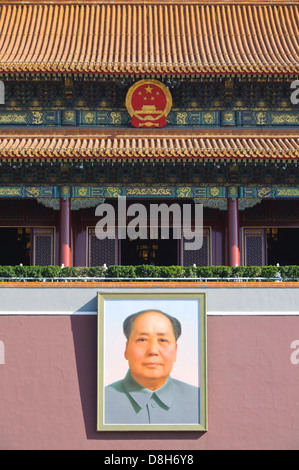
(76, 203)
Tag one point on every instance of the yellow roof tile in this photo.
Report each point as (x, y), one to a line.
(230, 37)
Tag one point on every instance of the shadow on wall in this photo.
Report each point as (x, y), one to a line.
(84, 328)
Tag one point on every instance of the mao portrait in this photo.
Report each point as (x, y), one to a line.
(151, 391)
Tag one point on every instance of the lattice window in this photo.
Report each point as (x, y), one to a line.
(37, 211)
(261, 211)
(254, 247)
(200, 257)
(12, 209)
(100, 252)
(285, 210)
(43, 246)
(88, 213)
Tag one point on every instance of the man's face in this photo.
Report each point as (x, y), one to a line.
(151, 349)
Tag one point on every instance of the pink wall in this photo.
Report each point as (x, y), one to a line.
(48, 386)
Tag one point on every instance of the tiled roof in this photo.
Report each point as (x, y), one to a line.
(123, 145)
(147, 37)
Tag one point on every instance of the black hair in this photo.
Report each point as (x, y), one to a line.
(128, 323)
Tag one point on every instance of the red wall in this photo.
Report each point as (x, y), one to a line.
(48, 386)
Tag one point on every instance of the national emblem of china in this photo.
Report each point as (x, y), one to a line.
(148, 102)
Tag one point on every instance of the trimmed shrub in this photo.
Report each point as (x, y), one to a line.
(290, 273)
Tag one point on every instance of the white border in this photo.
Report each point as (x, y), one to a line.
(211, 313)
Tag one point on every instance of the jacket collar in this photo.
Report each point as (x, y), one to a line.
(142, 395)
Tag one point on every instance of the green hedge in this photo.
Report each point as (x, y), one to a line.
(151, 272)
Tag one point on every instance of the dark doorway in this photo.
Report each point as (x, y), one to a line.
(156, 252)
(15, 246)
(282, 246)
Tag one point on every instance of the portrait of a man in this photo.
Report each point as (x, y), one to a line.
(148, 393)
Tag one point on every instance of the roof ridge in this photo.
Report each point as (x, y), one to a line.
(199, 148)
(169, 133)
(144, 2)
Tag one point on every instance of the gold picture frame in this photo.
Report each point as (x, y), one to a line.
(117, 409)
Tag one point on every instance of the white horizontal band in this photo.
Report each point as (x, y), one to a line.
(46, 313)
(93, 312)
(253, 313)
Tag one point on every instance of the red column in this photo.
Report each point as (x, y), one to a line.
(233, 232)
(65, 232)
